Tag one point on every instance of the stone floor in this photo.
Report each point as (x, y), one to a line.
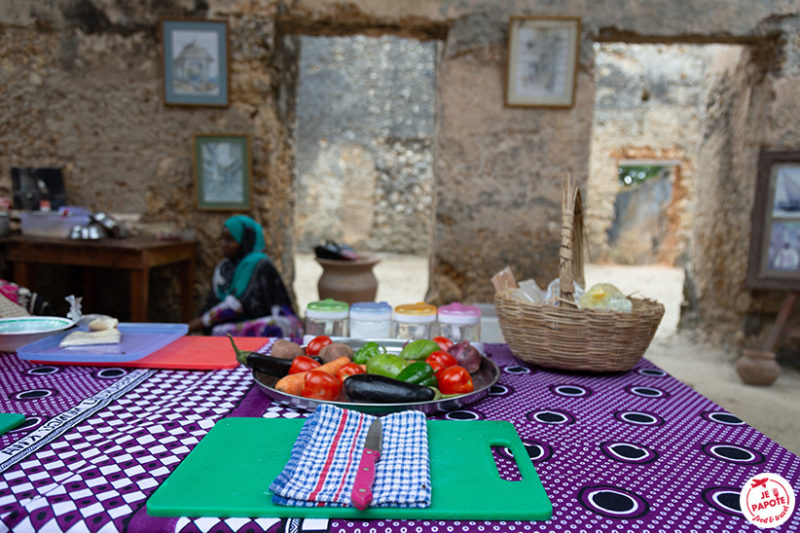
(775, 410)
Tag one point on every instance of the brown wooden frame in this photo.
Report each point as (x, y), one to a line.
(247, 178)
(766, 223)
(223, 100)
(566, 100)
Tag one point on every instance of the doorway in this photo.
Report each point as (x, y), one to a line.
(365, 135)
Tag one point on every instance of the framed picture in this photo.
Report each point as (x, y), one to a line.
(774, 259)
(222, 171)
(542, 61)
(195, 62)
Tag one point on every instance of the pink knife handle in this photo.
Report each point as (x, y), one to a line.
(362, 487)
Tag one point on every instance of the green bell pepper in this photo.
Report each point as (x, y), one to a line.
(366, 351)
(386, 364)
(418, 349)
(420, 373)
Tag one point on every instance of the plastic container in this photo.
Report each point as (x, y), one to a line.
(55, 224)
(414, 321)
(371, 320)
(327, 317)
(460, 322)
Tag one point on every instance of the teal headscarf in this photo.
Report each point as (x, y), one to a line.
(245, 231)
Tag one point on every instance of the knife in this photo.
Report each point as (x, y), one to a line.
(365, 476)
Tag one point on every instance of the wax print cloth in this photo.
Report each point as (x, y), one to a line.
(637, 451)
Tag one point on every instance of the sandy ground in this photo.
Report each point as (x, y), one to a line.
(775, 410)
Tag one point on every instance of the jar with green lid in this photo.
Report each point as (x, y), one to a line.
(414, 321)
(327, 317)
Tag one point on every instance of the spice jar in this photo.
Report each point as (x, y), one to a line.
(414, 321)
(327, 317)
(371, 320)
(460, 322)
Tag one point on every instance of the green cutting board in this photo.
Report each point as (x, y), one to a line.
(228, 474)
(9, 421)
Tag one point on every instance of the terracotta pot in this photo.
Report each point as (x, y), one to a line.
(348, 281)
(757, 367)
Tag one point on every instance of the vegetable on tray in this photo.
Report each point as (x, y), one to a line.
(293, 383)
(419, 373)
(372, 388)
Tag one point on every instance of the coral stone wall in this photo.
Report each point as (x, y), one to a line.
(81, 89)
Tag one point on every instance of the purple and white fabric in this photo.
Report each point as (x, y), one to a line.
(636, 451)
(325, 457)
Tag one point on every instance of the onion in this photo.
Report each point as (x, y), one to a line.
(466, 355)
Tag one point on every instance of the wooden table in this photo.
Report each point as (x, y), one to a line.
(136, 255)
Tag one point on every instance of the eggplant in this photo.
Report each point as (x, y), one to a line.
(374, 388)
(266, 364)
(274, 366)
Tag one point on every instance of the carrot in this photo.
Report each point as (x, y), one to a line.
(293, 383)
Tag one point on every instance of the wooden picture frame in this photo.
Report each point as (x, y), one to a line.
(542, 61)
(774, 257)
(223, 172)
(196, 62)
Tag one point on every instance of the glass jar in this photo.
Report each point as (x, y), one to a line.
(460, 322)
(371, 320)
(327, 317)
(414, 321)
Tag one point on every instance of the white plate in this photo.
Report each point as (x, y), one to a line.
(19, 331)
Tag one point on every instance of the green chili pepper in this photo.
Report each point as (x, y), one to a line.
(366, 352)
(418, 349)
(420, 373)
(386, 364)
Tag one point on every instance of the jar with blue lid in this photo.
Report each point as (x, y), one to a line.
(327, 317)
(459, 322)
(371, 320)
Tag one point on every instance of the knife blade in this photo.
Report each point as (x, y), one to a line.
(365, 476)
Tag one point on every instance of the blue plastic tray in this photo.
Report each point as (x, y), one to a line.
(138, 340)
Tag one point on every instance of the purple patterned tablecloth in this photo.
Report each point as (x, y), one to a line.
(637, 451)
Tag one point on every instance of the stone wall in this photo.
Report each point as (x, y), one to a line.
(81, 86)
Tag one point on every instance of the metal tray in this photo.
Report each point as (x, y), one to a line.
(486, 376)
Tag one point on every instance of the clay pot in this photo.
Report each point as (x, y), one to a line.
(757, 367)
(348, 281)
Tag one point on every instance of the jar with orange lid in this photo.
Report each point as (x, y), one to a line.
(414, 321)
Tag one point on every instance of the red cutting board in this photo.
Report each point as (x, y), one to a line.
(192, 352)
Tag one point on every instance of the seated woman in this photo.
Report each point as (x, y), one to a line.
(248, 297)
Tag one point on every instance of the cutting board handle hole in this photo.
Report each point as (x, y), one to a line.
(506, 466)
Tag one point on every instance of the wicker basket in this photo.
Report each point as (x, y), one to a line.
(570, 338)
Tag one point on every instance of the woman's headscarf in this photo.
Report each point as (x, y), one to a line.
(247, 232)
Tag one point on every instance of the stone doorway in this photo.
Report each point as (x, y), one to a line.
(364, 143)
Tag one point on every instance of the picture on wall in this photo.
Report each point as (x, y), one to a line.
(542, 60)
(222, 171)
(774, 260)
(195, 62)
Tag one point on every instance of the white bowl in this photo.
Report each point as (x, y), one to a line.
(19, 331)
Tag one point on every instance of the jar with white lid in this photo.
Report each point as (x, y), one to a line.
(415, 321)
(371, 320)
(460, 322)
(327, 317)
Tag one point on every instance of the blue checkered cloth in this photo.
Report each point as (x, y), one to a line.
(324, 461)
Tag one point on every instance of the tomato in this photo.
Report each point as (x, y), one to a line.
(301, 363)
(317, 343)
(455, 380)
(443, 342)
(440, 360)
(320, 385)
(350, 369)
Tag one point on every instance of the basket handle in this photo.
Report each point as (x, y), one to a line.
(570, 255)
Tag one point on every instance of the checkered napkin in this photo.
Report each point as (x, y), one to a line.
(324, 460)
